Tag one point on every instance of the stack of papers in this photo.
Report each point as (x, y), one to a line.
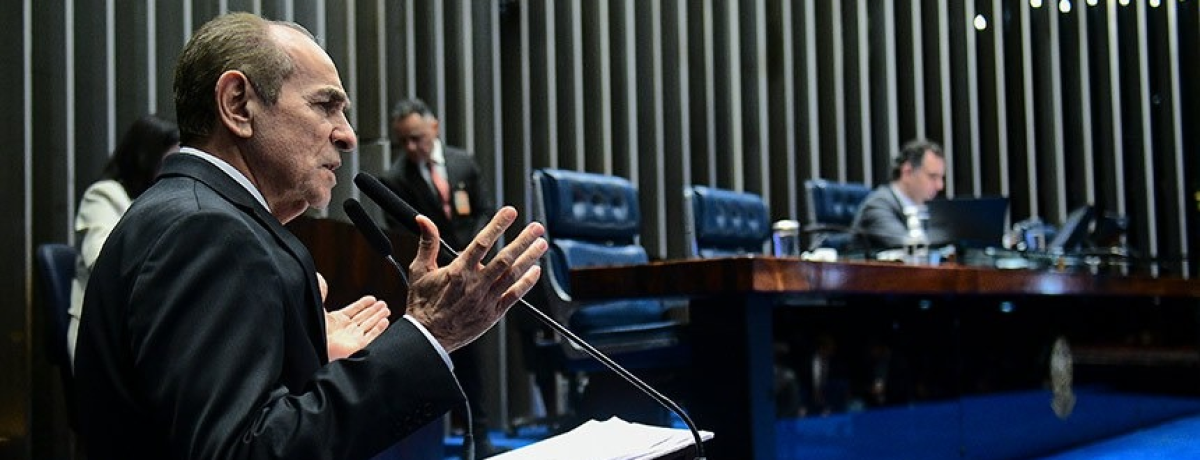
(613, 439)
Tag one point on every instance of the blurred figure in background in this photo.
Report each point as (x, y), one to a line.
(918, 175)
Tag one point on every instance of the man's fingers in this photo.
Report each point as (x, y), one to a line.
(525, 250)
(322, 286)
(427, 248)
(359, 305)
(379, 311)
(377, 328)
(483, 242)
(530, 257)
(459, 302)
(520, 268)
(520, 288)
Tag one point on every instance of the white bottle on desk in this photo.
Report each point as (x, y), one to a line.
(916, 244)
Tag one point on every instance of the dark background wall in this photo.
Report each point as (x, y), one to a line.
(1053, 106)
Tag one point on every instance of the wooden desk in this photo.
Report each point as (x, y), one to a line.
(731, 318)
(744, 275)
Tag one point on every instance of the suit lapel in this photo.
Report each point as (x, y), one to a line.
(316, 316)
(420, 188)
(896, 204)
(454, 169)
(208, 174)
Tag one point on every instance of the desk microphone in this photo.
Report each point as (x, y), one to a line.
(380, 243)
(407, 215)
(374, 235)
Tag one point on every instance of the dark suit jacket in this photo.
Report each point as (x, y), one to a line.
(404, 178)
(880, 222)
(203, 337)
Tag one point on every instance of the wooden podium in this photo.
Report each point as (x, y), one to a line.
(350, 266)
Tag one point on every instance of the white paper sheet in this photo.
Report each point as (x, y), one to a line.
(613, 439)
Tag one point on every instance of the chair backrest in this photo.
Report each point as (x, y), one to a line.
(592, 220)
(834, 203)
(720, 222)
(56, 268)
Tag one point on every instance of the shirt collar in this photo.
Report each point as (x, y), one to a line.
(229, 170)
(905, 201)
(437, 156)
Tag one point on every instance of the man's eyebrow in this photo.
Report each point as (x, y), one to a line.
(334, 95)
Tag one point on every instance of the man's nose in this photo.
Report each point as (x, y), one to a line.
(344, 138)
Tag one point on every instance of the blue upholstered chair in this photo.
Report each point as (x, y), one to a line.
(720, 222)
(56, 270)
(594, 220)
(831, 209)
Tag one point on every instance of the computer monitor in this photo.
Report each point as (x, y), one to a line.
(976, 222)
(1108, 229)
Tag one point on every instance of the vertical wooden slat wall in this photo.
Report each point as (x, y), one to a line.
(1055, 104)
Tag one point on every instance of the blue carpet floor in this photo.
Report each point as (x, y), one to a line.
(977, 428)
(1179, 439)
(991, 427)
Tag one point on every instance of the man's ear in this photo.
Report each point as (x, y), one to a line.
(235, 98)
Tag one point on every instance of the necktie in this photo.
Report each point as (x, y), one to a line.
(443, 187)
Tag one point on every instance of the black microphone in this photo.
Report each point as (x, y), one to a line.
(396, 207)
(389, 201)
(367, 227)
(406, 215)
(374, 235)
(381, 244)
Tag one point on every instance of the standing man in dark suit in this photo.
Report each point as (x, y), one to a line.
(203, 335)
(443, 183)
(918, 174)
(440, 181)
